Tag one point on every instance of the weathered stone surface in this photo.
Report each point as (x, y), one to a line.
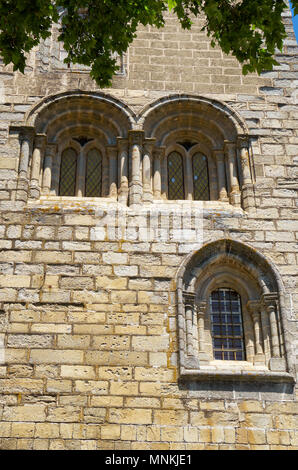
(91, 336)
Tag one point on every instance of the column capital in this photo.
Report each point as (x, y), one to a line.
(189, 298)
(40, 141)
(201, 307)
(23, 131)
(219, 154)
(269, 300)
(230, 147)
(122, 143)
(51, 149)
(112, 150)
(253, 305)
(159, 151)
(243, 141)
(149, 144)
(136, 137)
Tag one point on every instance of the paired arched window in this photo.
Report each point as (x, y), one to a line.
(177, 176)
(89, 182)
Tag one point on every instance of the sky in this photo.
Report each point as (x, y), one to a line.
(295, 23)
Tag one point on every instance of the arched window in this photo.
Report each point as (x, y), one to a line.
(68, 170)
(231, 314)
(200, 177)
(226, 325)
(93, 183)
(175, 176)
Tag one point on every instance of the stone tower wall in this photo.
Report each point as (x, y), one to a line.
(90, 333)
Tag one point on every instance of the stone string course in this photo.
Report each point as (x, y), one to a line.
(89, 356)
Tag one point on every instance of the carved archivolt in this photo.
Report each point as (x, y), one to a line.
(141, 144)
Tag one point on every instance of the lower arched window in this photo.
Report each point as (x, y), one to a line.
(226, 325)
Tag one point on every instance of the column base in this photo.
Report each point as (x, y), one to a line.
(277, 364)
(203, 357)
(235, 199)
(135, 194)
(259, 359)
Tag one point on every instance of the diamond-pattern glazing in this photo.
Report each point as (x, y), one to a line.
(68, 171)
(200, 177)
(93, 174)
(175, 176)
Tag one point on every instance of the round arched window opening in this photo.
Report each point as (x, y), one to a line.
(227, 325)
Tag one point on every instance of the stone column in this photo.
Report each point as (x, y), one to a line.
(147, 171)
(123, 170)
(189, 178)
(189, 314)
(221, 175)
(230, 151)
(201, 313)
(113, 171)
(158, 152)
(254, 308)
(24, 157)
(37, 157)
(244, 160)
(50, 152)
(276, 362)
(247, 185)
(164, 173)
(135, 187)
(81, 175)
(26, 138)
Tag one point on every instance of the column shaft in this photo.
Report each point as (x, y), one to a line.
(221, 175)
(157, 174)
(47, 170)
(113, 171)
(123, 171)
(147, 172)
(135, 190)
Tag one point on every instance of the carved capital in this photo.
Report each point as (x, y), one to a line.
(122, 144)
(136, 137)
(188, 299)
(51, 150)
(269, 300)
(201, 307)
(40, 141)
(149, 145)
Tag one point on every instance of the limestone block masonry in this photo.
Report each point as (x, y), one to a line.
(124, 213)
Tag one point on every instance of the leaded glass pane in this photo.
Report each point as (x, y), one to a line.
(200, 177)
(226, 325)
(93, 174)
(68, 171)
(175, 176)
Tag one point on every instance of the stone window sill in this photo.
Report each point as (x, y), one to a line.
(245, 374)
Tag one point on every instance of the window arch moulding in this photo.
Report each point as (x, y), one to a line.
(227, 266)
(187, 121)
(82, 121)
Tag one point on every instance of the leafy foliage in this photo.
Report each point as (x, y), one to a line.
(93, 30)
